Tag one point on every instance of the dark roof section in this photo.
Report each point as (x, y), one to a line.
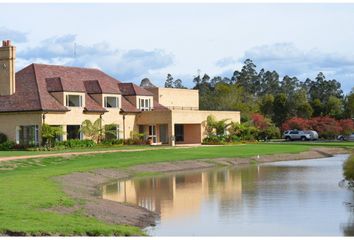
(54, 84)
(131, 89)
(92, 87)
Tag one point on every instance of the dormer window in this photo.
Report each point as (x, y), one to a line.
(73, 100)
(111, 102)
(145, 104)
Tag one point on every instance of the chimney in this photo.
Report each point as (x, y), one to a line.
(7, 68)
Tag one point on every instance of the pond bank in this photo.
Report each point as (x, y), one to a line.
(86, 186)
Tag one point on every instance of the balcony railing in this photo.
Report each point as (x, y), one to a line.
(182, 108)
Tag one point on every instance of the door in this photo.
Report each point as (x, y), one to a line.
(152, 133)
(163, 134)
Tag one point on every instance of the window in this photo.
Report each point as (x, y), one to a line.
(111, 132)
(73, 132)
(111, 102)
(73, 100)
(27, 135)
(145, 104)
(179, 132)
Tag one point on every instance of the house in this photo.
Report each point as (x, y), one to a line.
(66, 96)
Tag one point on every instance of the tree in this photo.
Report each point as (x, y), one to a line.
(322, 89)
(93, 130)
(289, 85)
(266, 105)
(169, 81)
(349, 105)
(178, 84)
(280, 109)
(317, 107)
(269, 83)
(49, 133)
(248, 77)
(304, 110)
(333, 107)
(298, 104)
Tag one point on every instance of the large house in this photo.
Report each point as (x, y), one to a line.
(66, 96)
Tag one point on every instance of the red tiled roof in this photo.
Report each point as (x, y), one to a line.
(92, 106)
(35, 83)
(128, 107)
(159, 107)
(131, 89)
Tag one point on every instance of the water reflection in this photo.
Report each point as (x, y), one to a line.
(179, 194)
(285, 198)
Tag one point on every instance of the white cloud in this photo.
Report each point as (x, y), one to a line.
(126, 65)
(16, 36)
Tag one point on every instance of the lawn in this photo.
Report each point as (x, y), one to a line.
(27, 189)
(96, 148)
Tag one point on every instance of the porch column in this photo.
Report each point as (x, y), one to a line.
(171, 135)
(65, 133)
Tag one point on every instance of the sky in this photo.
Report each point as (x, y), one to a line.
(134, 41)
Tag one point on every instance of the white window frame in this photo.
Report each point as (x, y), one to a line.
(67, 100)
(153, 135)
(105, 101)
(145, 104)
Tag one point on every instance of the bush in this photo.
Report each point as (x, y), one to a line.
(3, 138)
(7, 145)
(76, 143)
(348, 169)
(112, 142)
(326, 127)
(347, 126)
(295, 123)
(216, 139)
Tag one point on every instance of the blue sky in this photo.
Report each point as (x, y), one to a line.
(133, 41)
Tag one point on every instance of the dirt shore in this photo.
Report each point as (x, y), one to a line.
(86, 186)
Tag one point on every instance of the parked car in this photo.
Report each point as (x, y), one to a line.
(292, 135)
(346, 137)
(313, 134)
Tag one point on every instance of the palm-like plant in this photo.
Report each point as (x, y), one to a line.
(92, 130)
(218, 126)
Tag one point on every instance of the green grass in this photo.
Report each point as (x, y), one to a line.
(97, 148)
(343, 144)
(27, 188)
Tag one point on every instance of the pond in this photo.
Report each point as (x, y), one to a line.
(289, 198)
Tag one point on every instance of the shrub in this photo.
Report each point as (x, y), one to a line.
(295, 123)
(112, 142)
(214, 140)
(326, 127)
(348, 170)
(76, 143)
(3, 138)
(347, 126)
(7, 145)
